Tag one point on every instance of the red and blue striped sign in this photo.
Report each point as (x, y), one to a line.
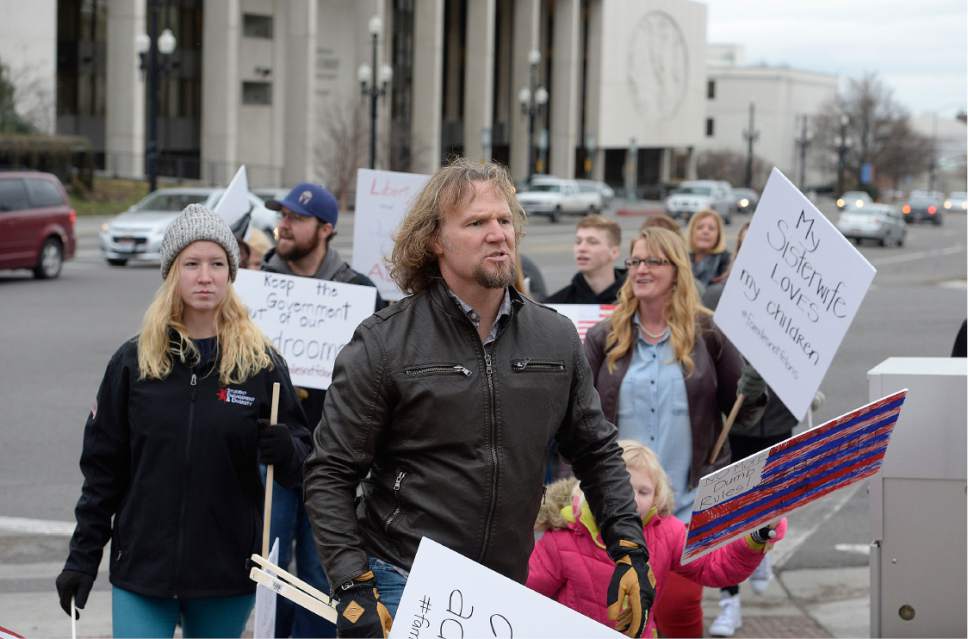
(794, 473)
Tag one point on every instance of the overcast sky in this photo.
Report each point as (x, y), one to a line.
(917, 47)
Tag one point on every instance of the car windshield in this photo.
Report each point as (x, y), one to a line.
(855, 195)
(173, 202)
(694, 190)
(545, 187)
(923, 199)
(959, 195)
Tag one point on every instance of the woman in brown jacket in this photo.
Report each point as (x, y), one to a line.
(666, 374)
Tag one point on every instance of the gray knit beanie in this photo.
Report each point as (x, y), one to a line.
(198, 223)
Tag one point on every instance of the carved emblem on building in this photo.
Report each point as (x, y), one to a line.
(658, 66)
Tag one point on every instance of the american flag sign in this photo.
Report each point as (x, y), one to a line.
(584, 315)
(750, 493)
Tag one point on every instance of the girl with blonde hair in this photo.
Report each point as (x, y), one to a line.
(172, 449)
(707, 247)
(570, 565)
(666, 375)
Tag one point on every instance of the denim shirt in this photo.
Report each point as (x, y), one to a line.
(653, 409)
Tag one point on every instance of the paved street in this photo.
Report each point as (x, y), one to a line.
(57, 338)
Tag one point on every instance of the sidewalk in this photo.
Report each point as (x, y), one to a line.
(798, 603)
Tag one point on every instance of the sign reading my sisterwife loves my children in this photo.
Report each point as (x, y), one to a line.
(307, 320)
(792, 293)
(451, 597)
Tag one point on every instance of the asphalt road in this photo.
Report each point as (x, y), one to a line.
(57, 337)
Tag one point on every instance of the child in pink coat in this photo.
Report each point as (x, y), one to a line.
(569, 562)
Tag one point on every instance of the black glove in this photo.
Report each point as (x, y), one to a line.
(632, 589)
(275, 443)
(71, 583)
(750, 384)
(359, 611)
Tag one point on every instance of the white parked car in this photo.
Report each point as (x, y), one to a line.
(608, 193)
(882, 223)
(957, 201)
(554, 197)
(136, 234)
(695, 195)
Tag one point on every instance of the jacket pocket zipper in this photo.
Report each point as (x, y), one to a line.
(397, 483)
(536, 365)
(437, 369)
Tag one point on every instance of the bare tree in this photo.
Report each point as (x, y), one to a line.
(341, 150)
(878, 131)
(725, 164)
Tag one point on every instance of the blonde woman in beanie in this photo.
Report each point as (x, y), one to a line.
(172, 449)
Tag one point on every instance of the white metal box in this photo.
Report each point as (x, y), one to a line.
(918, 502)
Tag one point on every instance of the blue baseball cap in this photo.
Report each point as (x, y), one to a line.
(308, 199)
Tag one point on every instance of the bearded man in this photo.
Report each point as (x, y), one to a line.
(443, 406)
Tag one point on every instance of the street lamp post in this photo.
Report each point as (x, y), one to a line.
(373, 87)
(533, 99)
(750, 135)
(843, 144)
(154, 52)
(803, 142)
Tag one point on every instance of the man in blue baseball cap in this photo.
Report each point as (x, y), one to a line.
(306, 228)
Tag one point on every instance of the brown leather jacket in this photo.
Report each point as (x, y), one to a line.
(710, 389)
(454, 438)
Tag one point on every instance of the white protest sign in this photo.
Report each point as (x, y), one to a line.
(382, 201)
(235, 203)
(792, 293)
(584, 316)
(264, 625)
(450, 596)
(307, 320)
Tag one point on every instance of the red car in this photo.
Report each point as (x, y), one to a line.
(36, 223)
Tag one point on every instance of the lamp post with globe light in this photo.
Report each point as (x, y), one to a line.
(533, 99)
(374, 87)
(154, 53)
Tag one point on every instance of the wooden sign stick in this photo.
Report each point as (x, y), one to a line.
(727, 427)
(280, 573)
(267, 508)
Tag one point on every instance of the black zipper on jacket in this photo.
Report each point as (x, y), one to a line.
(397, 483)
(193, 386)
(535, 365)
(437, 369)
(489, 373)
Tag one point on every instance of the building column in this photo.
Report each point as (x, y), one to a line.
(566, 69)
(479, 77)
(299, 82)
(124, 118)
(665, 165)
(221, 90)
(428, 78)
(593, 87)
(525, 35)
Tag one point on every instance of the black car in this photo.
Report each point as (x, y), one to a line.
(746, 200)
(923, 207)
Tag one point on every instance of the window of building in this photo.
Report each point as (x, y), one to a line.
(710, 128)
(711, 89)
(257, 93)
(256, 26)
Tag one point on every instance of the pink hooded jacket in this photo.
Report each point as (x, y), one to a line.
(569, 563)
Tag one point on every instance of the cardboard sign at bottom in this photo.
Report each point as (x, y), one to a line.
(450, 596)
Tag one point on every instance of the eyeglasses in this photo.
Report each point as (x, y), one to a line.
(651, 262)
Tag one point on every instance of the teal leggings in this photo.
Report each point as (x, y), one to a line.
(134, 615)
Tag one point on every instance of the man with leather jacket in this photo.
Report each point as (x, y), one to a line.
(442, 406)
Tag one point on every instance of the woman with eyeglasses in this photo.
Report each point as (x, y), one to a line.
(666, 375)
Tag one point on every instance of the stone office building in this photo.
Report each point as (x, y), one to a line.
(275, 85)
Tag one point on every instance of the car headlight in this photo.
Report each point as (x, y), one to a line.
(859, 204)
(744, 202)
(104, 227)
(840, 202)
(947, 204)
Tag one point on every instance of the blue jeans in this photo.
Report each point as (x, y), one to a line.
(290, 524)
(134, 615)
(389, 582)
